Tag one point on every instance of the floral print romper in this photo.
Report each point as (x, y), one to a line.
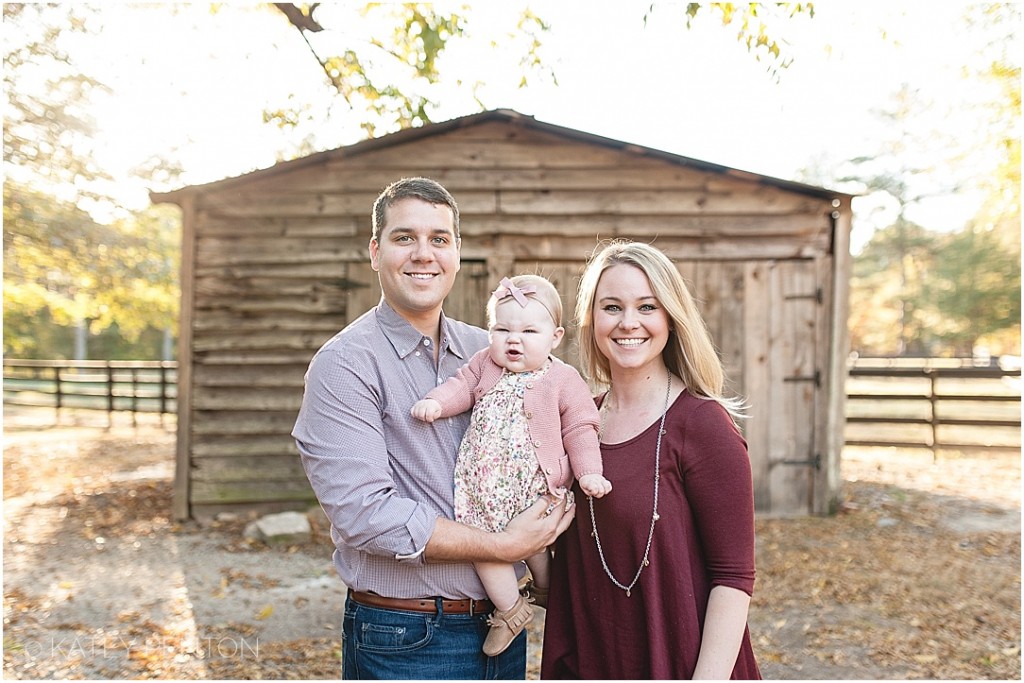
(497, 474)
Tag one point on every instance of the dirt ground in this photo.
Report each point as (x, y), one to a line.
(917, 577)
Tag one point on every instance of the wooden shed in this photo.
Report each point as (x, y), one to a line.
(275, 262)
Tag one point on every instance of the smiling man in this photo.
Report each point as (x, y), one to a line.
(415, 608)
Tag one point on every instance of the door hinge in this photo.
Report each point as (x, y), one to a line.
(816, 378)
(814, 462)
(818, 296)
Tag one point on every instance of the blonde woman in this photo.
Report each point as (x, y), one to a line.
(653, 581)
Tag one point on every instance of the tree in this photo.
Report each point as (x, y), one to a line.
(47, 125)
(759, 26)
(386, 82)
(887, 294)
(973, 289)
(62, 267)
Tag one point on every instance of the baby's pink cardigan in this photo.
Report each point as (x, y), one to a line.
(560, 412)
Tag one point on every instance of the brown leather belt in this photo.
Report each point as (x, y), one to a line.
(423, 604)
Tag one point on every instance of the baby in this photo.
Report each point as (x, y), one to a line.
(534, 425)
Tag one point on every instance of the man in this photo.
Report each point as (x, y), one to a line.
(415, 607)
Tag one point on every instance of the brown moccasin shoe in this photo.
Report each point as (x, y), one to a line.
(506, 625)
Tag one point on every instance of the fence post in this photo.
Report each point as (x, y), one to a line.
(163, 392)
(57, 394)
(135, 397)
(932, 375)
(110, 395)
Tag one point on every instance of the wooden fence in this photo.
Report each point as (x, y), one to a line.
(936, 404)
(129, 385)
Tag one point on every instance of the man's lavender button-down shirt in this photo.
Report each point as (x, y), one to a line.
(382, 476)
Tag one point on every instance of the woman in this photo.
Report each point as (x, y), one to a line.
(653, 581)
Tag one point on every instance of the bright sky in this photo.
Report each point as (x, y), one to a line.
(193, 86)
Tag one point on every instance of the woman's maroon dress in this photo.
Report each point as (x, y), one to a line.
(704, 538)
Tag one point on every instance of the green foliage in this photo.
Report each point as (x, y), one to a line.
(47, 127)
(63, 267)
(392, 97)
(62, 270)
(887, 302)
(974, 289)
(758, 26)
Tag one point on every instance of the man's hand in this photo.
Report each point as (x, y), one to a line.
(537, 527)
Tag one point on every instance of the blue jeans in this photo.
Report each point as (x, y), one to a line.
(389, 644)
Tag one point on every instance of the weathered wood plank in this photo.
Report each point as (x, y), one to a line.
(223, 398)
(215, 469)
(731, 337)
(279, 250)
(221, 321)
(252, 376)
(249, 341)
(637, 173)
(557, 202)
(801, 226)
(298, 226)
(260, 286)
(284, 204)
(255, 357)
(256, 491)
(329, 270)
(446, 152)
(266, 305)
(239, 422)
(757, 376)
(204, 446)
(555, 247)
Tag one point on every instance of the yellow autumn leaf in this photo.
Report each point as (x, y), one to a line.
(265, 612)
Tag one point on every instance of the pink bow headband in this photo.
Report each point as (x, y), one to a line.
(506, 289)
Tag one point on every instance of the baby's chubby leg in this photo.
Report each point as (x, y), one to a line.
(500, 582)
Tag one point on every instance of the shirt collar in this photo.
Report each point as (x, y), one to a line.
(405, 338)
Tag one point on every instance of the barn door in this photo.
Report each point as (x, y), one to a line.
(785, 385)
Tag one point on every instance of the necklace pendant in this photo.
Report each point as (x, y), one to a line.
(627, 592)
(647, 563)
(656, 516)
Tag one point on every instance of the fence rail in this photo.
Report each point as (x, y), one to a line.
(932, 406)
(129, 385)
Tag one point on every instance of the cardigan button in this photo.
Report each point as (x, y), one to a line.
(529, 414)
(537, 444)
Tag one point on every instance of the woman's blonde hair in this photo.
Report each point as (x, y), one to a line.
(544, 292)
(689, 353)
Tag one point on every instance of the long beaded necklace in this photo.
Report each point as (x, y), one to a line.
(654, 514)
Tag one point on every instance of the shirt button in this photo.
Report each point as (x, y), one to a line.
(440, 381)
(417, 353)
(426, 342)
